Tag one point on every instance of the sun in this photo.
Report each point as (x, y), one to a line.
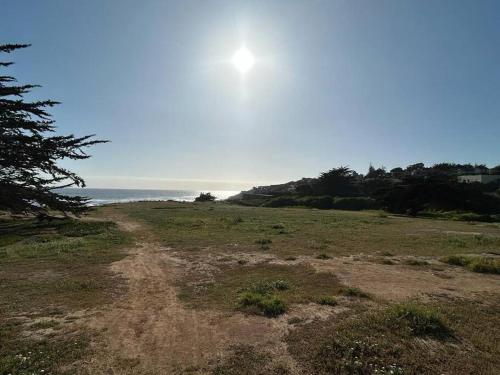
(243, 60)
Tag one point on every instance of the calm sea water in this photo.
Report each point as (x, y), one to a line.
(104, 196)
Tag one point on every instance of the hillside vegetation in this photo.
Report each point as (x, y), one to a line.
(415, 190)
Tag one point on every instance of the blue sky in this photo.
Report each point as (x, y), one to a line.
(336, 83)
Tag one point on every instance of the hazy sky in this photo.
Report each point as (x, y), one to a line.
(335, 83)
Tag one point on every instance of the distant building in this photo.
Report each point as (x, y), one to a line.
(481, 178)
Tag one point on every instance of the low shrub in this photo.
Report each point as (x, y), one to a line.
(281, 202)
(272, 307)
(327, 301)
(323, 256)
(260, 296)
(355, 203)
(474, 263)
(354, 292)
(418, 319)
(323, 202)
(416, 262)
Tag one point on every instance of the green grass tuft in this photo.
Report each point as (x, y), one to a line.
(354, 292)
(327, 301)
(420, 320)
(474, 263)
(323, 256)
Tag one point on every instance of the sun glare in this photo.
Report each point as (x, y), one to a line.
(243, 60)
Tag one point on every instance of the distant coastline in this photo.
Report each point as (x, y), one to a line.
(100, 196)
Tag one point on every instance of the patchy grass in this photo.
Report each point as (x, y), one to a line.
(232, 288)
(44, 324)
(387, 341)
(416, 262)
(419, 320)
(246, 360)
(19, 355)
(50, 269)
(327, 301)
(323, 256)
(354, 292)
(187, 226)
(474, 263)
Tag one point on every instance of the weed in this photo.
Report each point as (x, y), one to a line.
(474, 263)
(354, 292)
(418, 319)
(270, 306)
(263, 241)
(416, 262)
(327, 300)
(273, 306)
(386, 261)
(323, 256)
(295, 320)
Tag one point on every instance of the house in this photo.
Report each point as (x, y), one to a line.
(481, 178)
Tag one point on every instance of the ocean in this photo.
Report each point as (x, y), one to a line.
(104, 196)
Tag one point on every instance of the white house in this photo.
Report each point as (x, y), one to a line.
(481, 178)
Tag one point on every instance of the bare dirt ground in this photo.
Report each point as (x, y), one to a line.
(149, 330)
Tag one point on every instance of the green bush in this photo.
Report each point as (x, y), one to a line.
(281, 202)
(474, 263)
(272, 307)
(323, 202)
(327, 301)
(355, 203)
(353, 292)
(323, 256)
(420, 320)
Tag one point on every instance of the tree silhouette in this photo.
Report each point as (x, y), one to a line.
(29, 154)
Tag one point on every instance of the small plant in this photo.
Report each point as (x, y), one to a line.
(420, 320)
(242, 261)
(327, 301)
(270, 306)
(474, 263)
(353, 292)
(264, 243)
(273, 307)
(260, 296)
(281, 285)
(323, 256)
(237, 220)
(295, 320)
(416, 262)
(386, 261)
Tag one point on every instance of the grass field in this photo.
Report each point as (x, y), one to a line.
(163, 287)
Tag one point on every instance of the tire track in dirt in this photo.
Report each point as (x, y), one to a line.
(150, 331)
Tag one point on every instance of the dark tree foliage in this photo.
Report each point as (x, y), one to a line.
(337, 182)
(29, 152)
(419, 194)
(205, 197)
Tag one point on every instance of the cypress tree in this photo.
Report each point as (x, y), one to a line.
(30, 152)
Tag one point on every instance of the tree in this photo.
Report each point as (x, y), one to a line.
(205, 197)
(495, 170)
(337, 182)
(29, 152)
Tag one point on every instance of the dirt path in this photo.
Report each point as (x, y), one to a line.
(150, 331)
